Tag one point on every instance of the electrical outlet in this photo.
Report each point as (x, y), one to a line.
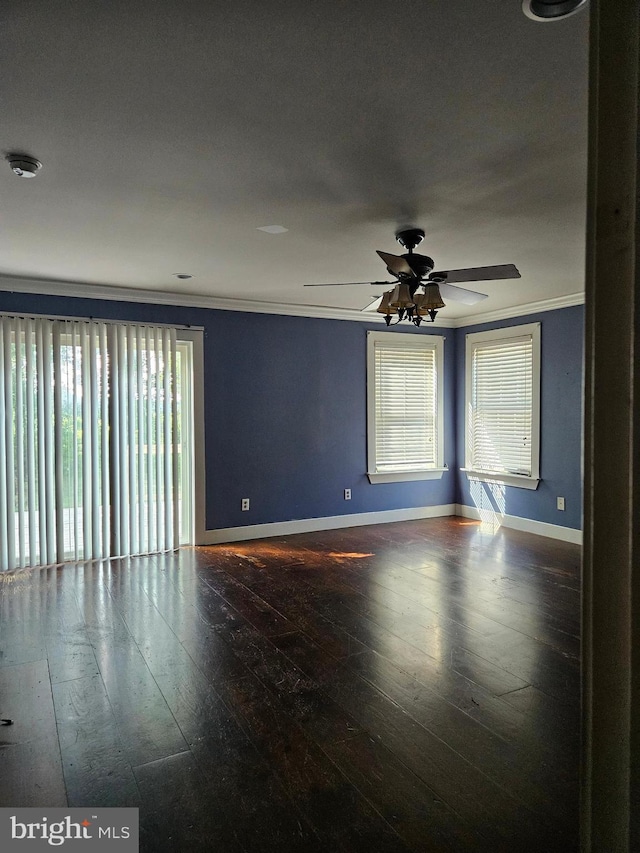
(560, 503)
(347, 494)
(245, 504)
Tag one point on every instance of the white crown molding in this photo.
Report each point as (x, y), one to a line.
(516, 522)
(17, 284)
(82, 290)
(551, 304)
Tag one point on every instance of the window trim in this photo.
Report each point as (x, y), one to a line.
(435, 342)
(194, 336)
(521, 481)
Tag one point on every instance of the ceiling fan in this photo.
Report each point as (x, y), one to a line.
(417, 291)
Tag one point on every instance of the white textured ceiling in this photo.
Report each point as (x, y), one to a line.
(170, 130)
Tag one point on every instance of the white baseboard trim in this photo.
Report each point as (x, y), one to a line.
(332, 522)
(358, 519)
(515, 522)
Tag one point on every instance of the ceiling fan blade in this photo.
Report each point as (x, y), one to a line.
(350, 283)
(396, 264)
(460, 294)
(373, 306)
(476, 274)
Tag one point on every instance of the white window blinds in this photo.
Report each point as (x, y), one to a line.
(501, 422)
(406, 407)
(88, 435)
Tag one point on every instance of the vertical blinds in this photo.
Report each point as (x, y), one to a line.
(143, 439)
(405, 408)
(88, 465)
(502, 406)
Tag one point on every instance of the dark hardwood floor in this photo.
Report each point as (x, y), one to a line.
(410, 686)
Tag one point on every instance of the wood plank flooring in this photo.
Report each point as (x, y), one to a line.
(403, 687)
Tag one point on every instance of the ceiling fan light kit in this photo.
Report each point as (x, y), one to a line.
(415, 308)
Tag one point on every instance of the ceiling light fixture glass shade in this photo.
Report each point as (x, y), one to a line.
(551, 10)
(427, 303)
(418, 299)
(431, 299)
(385, 306)
(401, 296)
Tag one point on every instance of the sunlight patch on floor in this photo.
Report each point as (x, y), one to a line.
(354, 555)
(490, 501)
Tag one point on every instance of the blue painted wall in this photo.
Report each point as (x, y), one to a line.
(290, 422)
(561, 422)
(285, 410)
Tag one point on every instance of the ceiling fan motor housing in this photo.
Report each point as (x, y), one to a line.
(410, 238)
(420, 264)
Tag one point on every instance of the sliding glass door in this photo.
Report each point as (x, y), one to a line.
(95, 440)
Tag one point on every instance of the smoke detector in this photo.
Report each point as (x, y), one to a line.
(24, 166)
(551, 10)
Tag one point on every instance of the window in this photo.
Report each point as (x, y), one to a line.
(503, 405)
(405, 410)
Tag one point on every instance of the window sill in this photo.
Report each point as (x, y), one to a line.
(406, 476)
(520, 481)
